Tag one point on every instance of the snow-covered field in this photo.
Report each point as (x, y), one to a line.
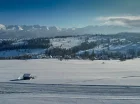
(66, 42)
(70, 82)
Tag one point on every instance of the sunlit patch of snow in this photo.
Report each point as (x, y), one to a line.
(65, 42)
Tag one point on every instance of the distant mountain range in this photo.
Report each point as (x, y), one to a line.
(34, 31)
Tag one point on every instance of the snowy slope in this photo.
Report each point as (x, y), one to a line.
(66, 42)
(113, 48)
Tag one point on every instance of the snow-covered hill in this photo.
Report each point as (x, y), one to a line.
(66, 42)
(103, 43)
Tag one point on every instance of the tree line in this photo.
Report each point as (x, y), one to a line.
(29, 44)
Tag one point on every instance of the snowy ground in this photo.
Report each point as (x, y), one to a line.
(66, 42)
(70, 82)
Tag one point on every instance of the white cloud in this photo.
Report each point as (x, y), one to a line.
(132, 21)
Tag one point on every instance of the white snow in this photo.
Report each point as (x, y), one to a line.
(20, 28)
(66, 42)
(77, 72)
(52, 71)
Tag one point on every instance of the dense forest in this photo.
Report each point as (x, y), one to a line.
(26, 44)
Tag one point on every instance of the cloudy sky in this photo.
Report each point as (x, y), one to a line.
(70, 13)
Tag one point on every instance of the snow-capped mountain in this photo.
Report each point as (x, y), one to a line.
(2, 27)
(34, 31)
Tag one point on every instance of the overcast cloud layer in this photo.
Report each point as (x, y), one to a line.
(130, 21)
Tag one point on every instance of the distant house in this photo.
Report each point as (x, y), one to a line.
(27, 76)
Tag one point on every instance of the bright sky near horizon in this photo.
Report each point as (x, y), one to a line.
(70, 13)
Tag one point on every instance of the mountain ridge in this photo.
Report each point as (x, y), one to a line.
(35, 31)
